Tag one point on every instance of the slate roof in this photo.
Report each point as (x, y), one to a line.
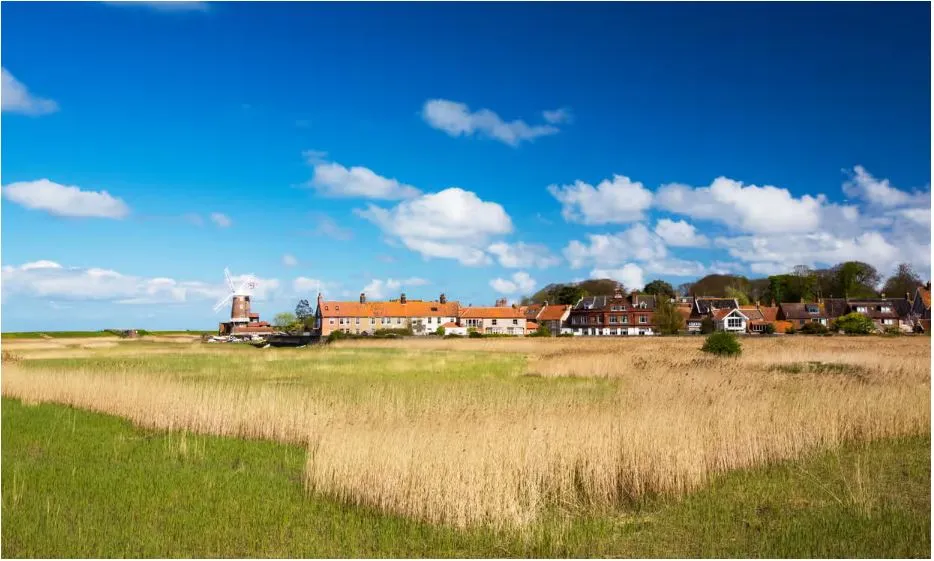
(591, 303)
(705, 305)
(799, 310)
(835, 307)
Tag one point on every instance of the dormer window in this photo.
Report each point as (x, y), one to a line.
(885, 309)
(337, 308)
(811, 308)
(862, 309)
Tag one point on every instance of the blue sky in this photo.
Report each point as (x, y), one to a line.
(478, 150)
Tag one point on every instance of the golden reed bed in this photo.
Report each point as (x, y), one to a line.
(657, 416)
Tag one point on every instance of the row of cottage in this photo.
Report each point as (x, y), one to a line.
(614, 315)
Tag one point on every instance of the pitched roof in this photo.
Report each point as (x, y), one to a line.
(591, 303)
(531, 311)
(492, 312)
(706, 305)
(899, 307)
(835, 307)
(648, 299)
(685, 312)
(769, 313)
(449, 324)
(412, 308)
(531, 325)
(553, 313)
(723, 312)
(802, 310)
(752, 313)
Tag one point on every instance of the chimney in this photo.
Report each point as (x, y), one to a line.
(928, 285)
(757, 304)
(443, 299)
(545, 303)
(363, 298)
(618, 291)
(501, 303)
(402, 298)
(882, 295)
(908, 296)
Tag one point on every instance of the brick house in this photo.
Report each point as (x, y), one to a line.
(613, 315)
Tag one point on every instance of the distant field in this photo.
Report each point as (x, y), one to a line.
(74, 334)
(804, 446)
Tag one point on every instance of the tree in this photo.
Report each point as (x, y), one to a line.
(716, 285)
(905, 280)
(568, 294)
(707, 326)
(667, 317)
(856, 279)
(440, 331)
(777, 288)
(722, 344)
(733, 292)
(659, 288)
(285, 321)
(303, 311)
(855, 324)
(805, 282)
(684, 289)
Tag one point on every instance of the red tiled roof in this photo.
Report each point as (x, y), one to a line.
(412, 308)
(553, 312)
(925, 296)
(769, 313)
(531, 325)
(449, 324)
(505, 312)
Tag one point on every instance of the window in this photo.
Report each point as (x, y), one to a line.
(337, 308)
(885, 309)
(515, 322)
(811, 308)
(331, 321)
(342, 321)
(643, 319)
(815, 320)
(625, 319)
(398, 321)
(358, 321)
(494, 322)
(614, 319)
(862, 309)
(888, 322)
(593, 319)
(734, 323)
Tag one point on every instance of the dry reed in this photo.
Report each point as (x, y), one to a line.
(668, 420)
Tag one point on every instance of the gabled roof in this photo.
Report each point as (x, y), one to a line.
(705, 305)
(752, 313)
(491, 312)
(900, 307)
(531, 325)
(554, 313)
(835, 307)
(648, 299)
(769, 313)
(802, 310)
(723, 313)
(591, 303)
(531, 311)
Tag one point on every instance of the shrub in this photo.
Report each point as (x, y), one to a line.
(565, 335)
(336, 336)
(475, 334)
(892, 331)
(440, 331)
(769, 329)
(542, 331)
(855, 324)
(791, 330)
(722, 344)
(398, 332)
(707, 326)
(813, 328)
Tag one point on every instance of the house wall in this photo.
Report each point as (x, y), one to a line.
(428, 325)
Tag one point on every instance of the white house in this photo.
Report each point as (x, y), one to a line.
(730, 320)
(451, 328)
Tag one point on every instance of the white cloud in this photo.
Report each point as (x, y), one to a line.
(680, 234)
(519, 283)
(450, 224)
(305, 284)
(47, 279)
(168, 6)
(378, 289)
(611, 202)
(558, 116)
(780, 253)
(609, 250)
(631, 275)
(289, 260)
(221, 220)
(17, 99)
(749, 208)
(65, 200)
(334, 180)
(863, 185)
(328, 227)
(522, 255)
(456, 119)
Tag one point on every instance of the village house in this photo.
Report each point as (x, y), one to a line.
(554, 316)
(493, 320)
(885, 312)
(613, 315)
(704, 307)
(798, 314)
(362, 317)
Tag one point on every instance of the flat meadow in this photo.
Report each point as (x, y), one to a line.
(488, 447)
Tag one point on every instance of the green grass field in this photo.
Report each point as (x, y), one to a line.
(79, 484)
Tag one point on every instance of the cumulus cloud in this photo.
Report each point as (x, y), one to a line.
(48, 279)
(613, 201)
(749, 208)
(329, 228)
(221, 220)
(65, 200)
(379, 289)
(519, 283)
(334, 180)
(451, 224)
(631, 275)
(289, 260)
(861, 184)
(457, 119)
(522, 255)
(609, 250)
(680, 234)
(16, 98)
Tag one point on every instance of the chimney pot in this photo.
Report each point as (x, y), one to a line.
(443, 299)
(363, 298)
(402, 298)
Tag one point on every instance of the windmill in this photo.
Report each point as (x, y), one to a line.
(239, 297)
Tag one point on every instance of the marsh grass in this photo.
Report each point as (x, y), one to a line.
(504, 432)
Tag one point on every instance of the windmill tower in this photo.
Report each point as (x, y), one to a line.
(239, 297)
